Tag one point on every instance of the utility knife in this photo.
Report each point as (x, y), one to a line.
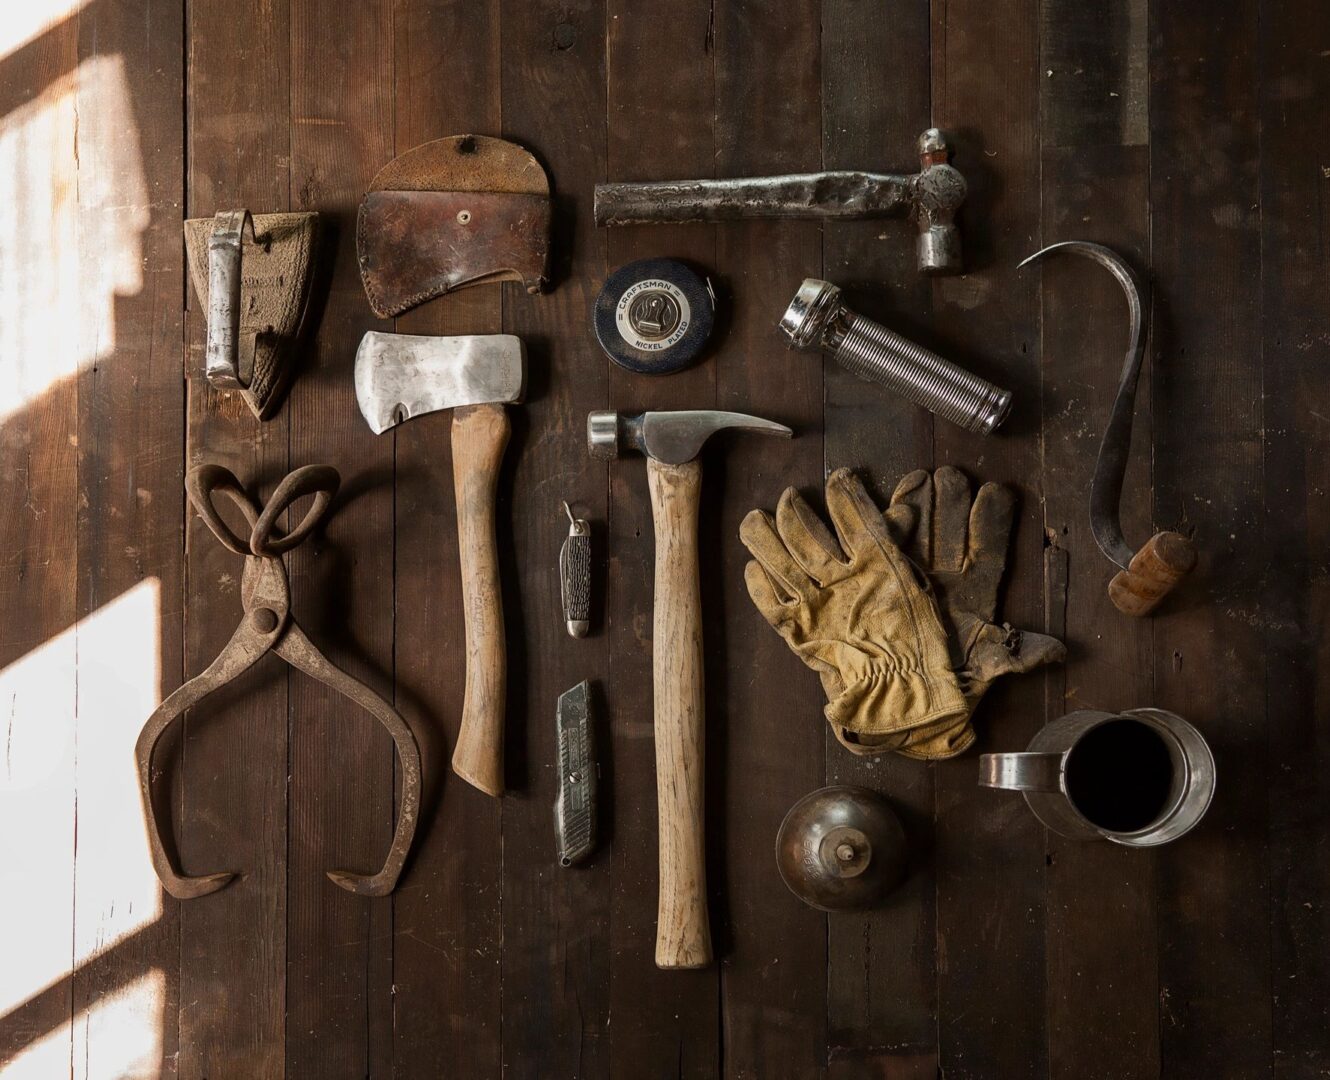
(575, 807)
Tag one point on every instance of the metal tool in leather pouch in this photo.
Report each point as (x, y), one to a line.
(253, 275)
(464, 210)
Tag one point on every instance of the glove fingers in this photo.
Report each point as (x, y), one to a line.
(951, 519)
(859, 524)
(759, 536)
(808, 539)
(1036, 650)
(900, 519)
(776, 609)
(991, 520)
(999, 650)
(914, 494)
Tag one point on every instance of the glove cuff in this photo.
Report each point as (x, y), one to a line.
(886, 701)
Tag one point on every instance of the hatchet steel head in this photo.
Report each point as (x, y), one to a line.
(399, 376)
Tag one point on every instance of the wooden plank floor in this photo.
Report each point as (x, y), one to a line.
(1186, 134)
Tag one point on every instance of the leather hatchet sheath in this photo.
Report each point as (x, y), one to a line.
(464, 210)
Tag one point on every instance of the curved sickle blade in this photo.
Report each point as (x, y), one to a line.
(1111, 467)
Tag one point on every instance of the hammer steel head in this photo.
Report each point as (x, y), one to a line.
(399, 376)
(670, 437)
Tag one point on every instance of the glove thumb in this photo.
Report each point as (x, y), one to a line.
(1004, 650)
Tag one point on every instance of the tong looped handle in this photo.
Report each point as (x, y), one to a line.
(321, 481)
(203, 482)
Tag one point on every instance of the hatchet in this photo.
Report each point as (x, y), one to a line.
(399, 376)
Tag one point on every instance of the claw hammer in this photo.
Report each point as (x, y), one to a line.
(671, 442)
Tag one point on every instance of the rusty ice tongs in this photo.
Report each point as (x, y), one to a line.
(268, 625)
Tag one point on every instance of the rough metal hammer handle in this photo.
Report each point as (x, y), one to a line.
(683, 933)
(845, 195)
(480, 433)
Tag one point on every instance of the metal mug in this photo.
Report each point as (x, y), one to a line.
(1138, 778)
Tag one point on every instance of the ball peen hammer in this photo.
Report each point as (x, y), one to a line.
(932, 196)
(671, 441)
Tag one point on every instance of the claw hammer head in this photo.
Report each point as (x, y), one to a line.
(670, 437)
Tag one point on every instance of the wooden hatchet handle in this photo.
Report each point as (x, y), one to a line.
(480, 433)
(1164, 560)
(683, 934)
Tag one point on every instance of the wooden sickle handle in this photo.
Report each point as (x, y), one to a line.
(1161, 563)
(480, 433)
(683, 934)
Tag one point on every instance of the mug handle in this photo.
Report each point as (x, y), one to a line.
(1022, 772)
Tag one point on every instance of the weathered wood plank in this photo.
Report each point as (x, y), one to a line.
(556, 965)
(1101, 998)
(234, 761)
(660, 81)
(447, 929)
(39, 359)
(131, 517)
(989, 848)
(882, 973)
(339, 947)
(1294, 320)
(765, 741)
(1214, 903)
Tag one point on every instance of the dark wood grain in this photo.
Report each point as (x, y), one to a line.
(989, 851)
(882, 973)
(1187, 135)
(773, 976)
(556, 968)
(234, 763)
(447, 929)
(339, 999)
(1214, 905)
(131, 515)
(1293, 319)
(660, 80)
(38, 584)
(1102, 963)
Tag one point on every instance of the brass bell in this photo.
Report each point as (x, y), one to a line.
(841, 849)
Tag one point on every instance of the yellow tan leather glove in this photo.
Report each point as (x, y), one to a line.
(962, 546)
(856, 613)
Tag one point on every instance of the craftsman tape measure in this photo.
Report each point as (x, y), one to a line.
(654, 316)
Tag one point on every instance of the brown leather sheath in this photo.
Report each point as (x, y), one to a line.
(465, 210)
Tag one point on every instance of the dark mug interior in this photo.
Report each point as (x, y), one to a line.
(1123, 775)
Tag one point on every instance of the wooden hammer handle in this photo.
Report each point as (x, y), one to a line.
(683, 934)
(1161, 563)
(480, 433)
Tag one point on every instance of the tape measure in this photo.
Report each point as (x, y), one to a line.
(654, 316)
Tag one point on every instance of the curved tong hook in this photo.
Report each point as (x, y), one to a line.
(267, 625)
(1149, 574)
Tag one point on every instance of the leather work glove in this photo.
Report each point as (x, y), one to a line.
(962, 546)
(856, 613)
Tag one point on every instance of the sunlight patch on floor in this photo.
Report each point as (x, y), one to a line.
(23, 20)
(79, 857)
(70, 238)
